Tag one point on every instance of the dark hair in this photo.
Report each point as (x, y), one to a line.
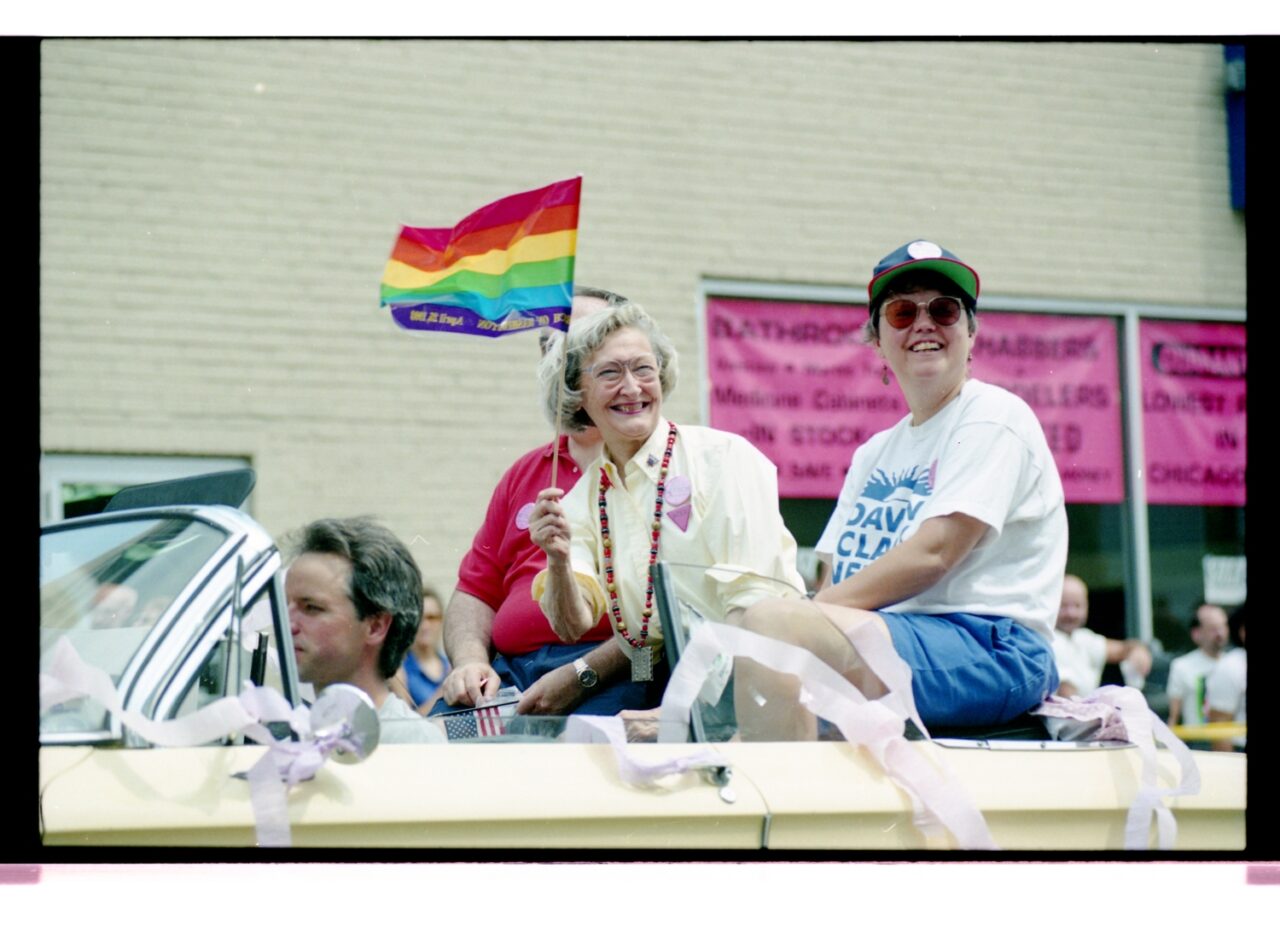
(606, 295)
(911, 281)
(384, 577)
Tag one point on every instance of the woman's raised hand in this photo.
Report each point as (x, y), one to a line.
(548, 526)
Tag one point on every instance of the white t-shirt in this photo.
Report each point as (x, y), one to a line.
(983, 455)
(1225, 686)
(1187, 676)
(1080, 657)
(402, 724)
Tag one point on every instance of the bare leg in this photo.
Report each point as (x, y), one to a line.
(767, 702)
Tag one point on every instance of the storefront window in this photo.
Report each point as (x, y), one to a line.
(795, 378)
(1193, 413)
(72, 485)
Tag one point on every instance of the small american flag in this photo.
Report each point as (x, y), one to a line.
(487, 720)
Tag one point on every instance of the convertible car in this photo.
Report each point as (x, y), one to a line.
(172, 715)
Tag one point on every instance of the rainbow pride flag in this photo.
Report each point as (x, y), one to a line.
(506, 267)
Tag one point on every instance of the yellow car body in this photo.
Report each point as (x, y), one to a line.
(103, 784)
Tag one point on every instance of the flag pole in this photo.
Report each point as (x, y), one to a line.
(564, 361)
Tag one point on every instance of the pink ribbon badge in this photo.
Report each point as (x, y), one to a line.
(679, 490)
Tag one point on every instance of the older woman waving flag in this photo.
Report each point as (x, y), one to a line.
(679, 493)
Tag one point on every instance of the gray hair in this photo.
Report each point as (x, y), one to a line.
(560, 372)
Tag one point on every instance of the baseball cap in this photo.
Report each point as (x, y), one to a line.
(923, 255)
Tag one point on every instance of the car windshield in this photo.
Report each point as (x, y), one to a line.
(103, 586)
(737, 697)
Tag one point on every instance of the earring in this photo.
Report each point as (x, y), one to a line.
(884, 373)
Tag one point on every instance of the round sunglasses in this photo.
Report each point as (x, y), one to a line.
(902, 312)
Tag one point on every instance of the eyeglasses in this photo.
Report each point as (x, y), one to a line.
(901, 313)
(642, 369)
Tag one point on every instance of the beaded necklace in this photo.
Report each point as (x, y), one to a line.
(656, 533)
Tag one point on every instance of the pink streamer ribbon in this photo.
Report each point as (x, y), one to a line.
(1119, 713)
(937, 799)
(285, 763)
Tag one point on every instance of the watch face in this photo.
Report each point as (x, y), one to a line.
(587, 676)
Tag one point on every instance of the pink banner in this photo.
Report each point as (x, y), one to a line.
(796, 380)
(1067, 369)
(1193, 407)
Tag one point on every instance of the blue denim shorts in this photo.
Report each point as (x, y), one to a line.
(970, 670)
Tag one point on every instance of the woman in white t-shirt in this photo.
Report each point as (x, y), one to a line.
(950, 533)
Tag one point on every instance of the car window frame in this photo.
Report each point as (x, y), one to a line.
(167, 701)
(262, 576)
(175, 647)
(135, 669)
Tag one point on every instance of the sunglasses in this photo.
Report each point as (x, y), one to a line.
(901, 313)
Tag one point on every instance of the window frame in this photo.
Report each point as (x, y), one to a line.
(1139, 603)
(58, 469)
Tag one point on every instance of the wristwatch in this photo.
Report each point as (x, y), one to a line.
(587, 676)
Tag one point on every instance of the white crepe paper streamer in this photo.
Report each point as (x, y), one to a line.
(875, 649)
(71, 677)
(936, 796)
(583, 728)
(797, 662)
(283, 765)
(1114, 712)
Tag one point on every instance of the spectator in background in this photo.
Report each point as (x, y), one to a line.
(425, 666)
(494, 632)
(1187, 673)
(355, 601)
(1225, 686)
(1081, 654)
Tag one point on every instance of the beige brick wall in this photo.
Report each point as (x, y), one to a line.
(216, 216)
